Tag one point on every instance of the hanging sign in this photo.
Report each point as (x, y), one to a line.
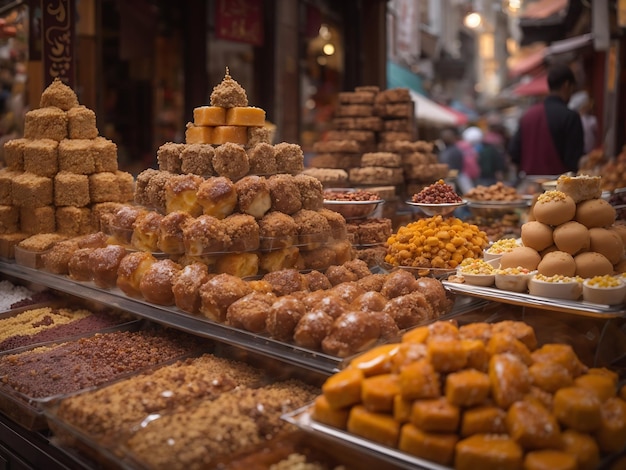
(57, 19)
(240, 20)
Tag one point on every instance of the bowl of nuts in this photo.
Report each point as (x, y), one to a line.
(352, 203)
(437, 199)
(495, 200)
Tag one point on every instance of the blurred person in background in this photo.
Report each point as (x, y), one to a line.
(549, 139)
(581, 103)
(452, 155)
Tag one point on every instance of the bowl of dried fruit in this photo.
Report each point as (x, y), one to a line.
(352, 203)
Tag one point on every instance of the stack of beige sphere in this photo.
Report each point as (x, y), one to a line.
(572, 232)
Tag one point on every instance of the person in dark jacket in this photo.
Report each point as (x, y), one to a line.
(549, 139)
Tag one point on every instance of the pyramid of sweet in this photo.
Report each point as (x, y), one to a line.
(230, 199)
(373, 143)
(60, 173)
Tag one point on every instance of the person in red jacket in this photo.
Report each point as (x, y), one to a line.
(550, 139)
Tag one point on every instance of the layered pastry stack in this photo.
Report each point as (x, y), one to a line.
(59, 174)
(230, 199)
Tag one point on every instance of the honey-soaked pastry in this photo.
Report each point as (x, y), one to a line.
(231, 160)
(350, 333)
(409, 310)
(285, 258)
(228, 93)
(286, 281)
(419, 380)
(510, 379)
(312, 328)
(343, 388)
(313, 229)
(583, 447)
(120, 225)
(78, 265)
(317, 281)
(131, 270)
(156, 284)
(550, 376)
(324, 413)
(435, 415)
(238, 264)
(311, 192)
(250, 312)
(467, 388)
(399, 283)
(488, 451)
(205, 234)
(146, 229)
(549, 459)
(93, 240)
(253, 196)
(347, 291)
(217, 196)
(435, 293)
(561, 354)
(338, 274)
(435, 447)
(155, 190)
(477, 355)
(371, 301)
(285, 194)
(181, 194)
(378, 392)
(170, 238)
(578, 408)
(186, 286)
(319, 258)
(104, 263)
(389, 330)
(503, 342)
(326, 302)
(283, 316)
(611, 435)
(602, 385)
(378, 427)
(218, 293)
(532, 426)
(446, 354)
(373, 282)
(262, 157)
(277, 231)
(243, 232)
(485, 419)
(337, 223)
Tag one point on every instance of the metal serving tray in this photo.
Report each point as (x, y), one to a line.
(577, 307)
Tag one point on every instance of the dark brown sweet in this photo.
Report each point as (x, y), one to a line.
(103, 263)
(156, 283)
(186, 286)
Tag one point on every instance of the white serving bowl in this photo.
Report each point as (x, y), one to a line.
(508, 279)
(566, 290)
(603, 294)
(483, 280)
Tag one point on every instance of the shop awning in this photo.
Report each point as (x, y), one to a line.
(429, 112)
(570, 44)
(536, 86)
(401, 77)
(543, 9)
(527, 59)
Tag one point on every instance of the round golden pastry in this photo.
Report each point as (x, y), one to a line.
(284, 193)
(397, 283)
(373, 282)
(121, 224)
(370, 301)
(231, 160)
(557, 262)
(156, 283)
(243, 231)
(351, 333)
(595, 213)
(205, 235)
(348, 291)
(337, 223)
(521, 256)
(311, 192)
(606, 242)
(253, 196)
(620, 229)
(218, 293)
(554, 208)
(571, 237)
(181, 194)
(283, 316)
(217, 196)
(536, 235)
(170, 239)
(238, 264)
(104, 263)
(319, 258)
(338, 274)
(277, 231)
(590, 264)
(250, 312)
(186, 286)
(93, 240)
(359, 267)
(285, 258)
(78, 265)
(313, 228)
(146, 229)
(409, 310)
(317, 281)
(331, 304)
(312, 328)
(130, 271)
(286, 281)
